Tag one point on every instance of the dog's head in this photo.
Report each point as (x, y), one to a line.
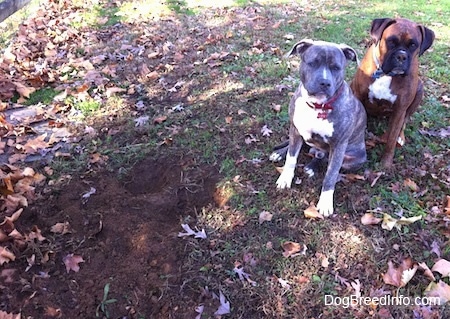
(400, 41)
(322, 68)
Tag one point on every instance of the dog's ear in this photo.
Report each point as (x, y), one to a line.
(378, 26)
(427, 38)
(300, 47)
(350, 53)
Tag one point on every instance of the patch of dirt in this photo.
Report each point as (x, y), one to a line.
(127, 235)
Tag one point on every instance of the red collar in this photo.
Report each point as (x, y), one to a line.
(327, 106)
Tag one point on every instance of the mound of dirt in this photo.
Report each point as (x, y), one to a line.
(126, 233)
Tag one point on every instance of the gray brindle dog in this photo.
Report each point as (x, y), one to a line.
(325, 114)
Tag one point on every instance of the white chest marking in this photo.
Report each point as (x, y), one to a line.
(381, 89)
(306, 121)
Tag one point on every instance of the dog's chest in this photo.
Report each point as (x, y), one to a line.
(307, 122)
(381, 90)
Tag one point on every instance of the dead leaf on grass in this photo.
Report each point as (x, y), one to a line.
(6, 256)
(442, 266)
(224, 307)
(370, 219)
(72, 261)
(265, 216)
(6, 315)
(427, 272)
(292, 249)
(61, 228)
(190, 232)
(390, 222)
(401, 275)
(440, 290)
(411, 184)
(312, 212)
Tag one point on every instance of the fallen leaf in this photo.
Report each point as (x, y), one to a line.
(60, 228)
(88, 194)
(411, 184)
(370, 219)
(159, 119)
(440, 290)
(266, 131)
(312, 212)
(71, 261)
(191, 232)
(199, 309)
(401, 275)
(6, 315)
(142, 120)
(292, 249)
(224, 307)
(442, 266)
(390, 222)
(265, 216)
(243, 276)
(427, 272)
(6, 256)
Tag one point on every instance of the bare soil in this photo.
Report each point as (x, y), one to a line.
(127, 235)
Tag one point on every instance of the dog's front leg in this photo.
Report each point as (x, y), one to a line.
(295, 145)
(325, 204)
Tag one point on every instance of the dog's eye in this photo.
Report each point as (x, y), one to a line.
(412, 45)
(335, 68)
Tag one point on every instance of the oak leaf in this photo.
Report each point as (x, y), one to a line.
(72, 261)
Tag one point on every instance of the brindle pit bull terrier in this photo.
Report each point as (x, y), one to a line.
(387, 81)
(324, 114)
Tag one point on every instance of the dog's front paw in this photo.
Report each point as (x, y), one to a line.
(285, 180)
(325, 204)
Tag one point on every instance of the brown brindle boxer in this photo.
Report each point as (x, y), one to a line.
(387, 80)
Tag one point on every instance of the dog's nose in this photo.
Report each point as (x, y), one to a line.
(401, 56)
(324, 83)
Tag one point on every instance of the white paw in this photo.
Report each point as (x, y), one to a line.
(275, 157)
(309, 172)
(285, 179)
(325, 204)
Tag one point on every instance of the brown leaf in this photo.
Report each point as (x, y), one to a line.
(400, 276)
(292, 249)
(312, 212)
(6, 315)
(61, 228)
(411, 184)
(370, 219)
(6, 256)
(23, 90)
(427, 272)
(71, 261)
(159, 119)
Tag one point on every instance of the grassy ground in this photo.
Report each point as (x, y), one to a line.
(233, 78)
